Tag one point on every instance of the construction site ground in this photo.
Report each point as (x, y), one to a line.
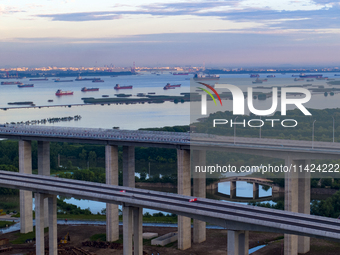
(215, 244)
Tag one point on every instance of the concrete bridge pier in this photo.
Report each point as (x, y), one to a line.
(184, 188)
(112, 213)
(39, 223)
(297, 199)
(44, 169)
(238, 242)
(25, 166)
(137, 231)
(233, 189)
(199, 190)
(304, 206)
(132, 216)
(256, 190)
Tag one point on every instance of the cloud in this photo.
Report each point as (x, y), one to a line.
(81, 16)
(9, 10)
(324, 17)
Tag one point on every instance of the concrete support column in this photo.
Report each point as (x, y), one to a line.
(112, 213)
(238, 242)
(44, 169)
(127, 230)
(304, 205)
(25, 166)
(255, 190)
(129, 166)
(132, 217)
(39, 224)
(232, 189)
(52, 218)
(297, 199)
(137, 231)
(199, 190)
(291, 204)
(184, 188)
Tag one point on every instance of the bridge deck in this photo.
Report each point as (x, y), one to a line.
(256, 146)
(229, 215)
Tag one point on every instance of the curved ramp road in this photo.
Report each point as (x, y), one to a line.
(229, 215)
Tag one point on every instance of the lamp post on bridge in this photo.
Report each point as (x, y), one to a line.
(313, 135)
(235, 130)
(333, 127)
(260, 127)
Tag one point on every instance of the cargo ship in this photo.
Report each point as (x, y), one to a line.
(169, 86)
(11, 83)
(302, 75)
(98, 81)
(271, 76)
(322, 78)
(254, 75)
(25, 85)
(89, 89)
(58, 80)
(122, 87)
(257, 81)
(180, 73)
(336, 74)
(200, 77)
(63, 93)
(297, 79)
(36, 79)
(79, 78)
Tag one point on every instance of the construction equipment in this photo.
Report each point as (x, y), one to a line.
(65, 239)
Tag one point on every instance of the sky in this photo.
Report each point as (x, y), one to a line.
(226, 33)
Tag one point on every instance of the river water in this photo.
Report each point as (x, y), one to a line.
(124, 116)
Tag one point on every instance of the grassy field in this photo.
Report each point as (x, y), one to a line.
(3, 224)
(21, 238)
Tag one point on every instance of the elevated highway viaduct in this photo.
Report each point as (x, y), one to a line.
(191, 150)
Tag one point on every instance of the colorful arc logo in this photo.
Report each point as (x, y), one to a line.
(208, 92)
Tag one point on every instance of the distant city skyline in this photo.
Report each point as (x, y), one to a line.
(152, 33)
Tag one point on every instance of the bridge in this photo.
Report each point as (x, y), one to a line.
(256, 182)
(191, 149)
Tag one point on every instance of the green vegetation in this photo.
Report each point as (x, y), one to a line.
(328, 208)
(98, 237)
(333, 82)
(303, 131)
(279, 205)
(21, 238)
(3, 224)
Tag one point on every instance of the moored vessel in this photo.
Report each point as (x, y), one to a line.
(63, 93)
(200, 77)
(122, 87)
(169, 86)
(79, 78)
(257, 81)
(180, 73)
(98, 81)
(302, 75)
(58, 80)
(25, 85)
(11, 83)
(39, 79)
(89, 89)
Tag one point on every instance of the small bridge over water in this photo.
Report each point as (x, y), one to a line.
(256, 182)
